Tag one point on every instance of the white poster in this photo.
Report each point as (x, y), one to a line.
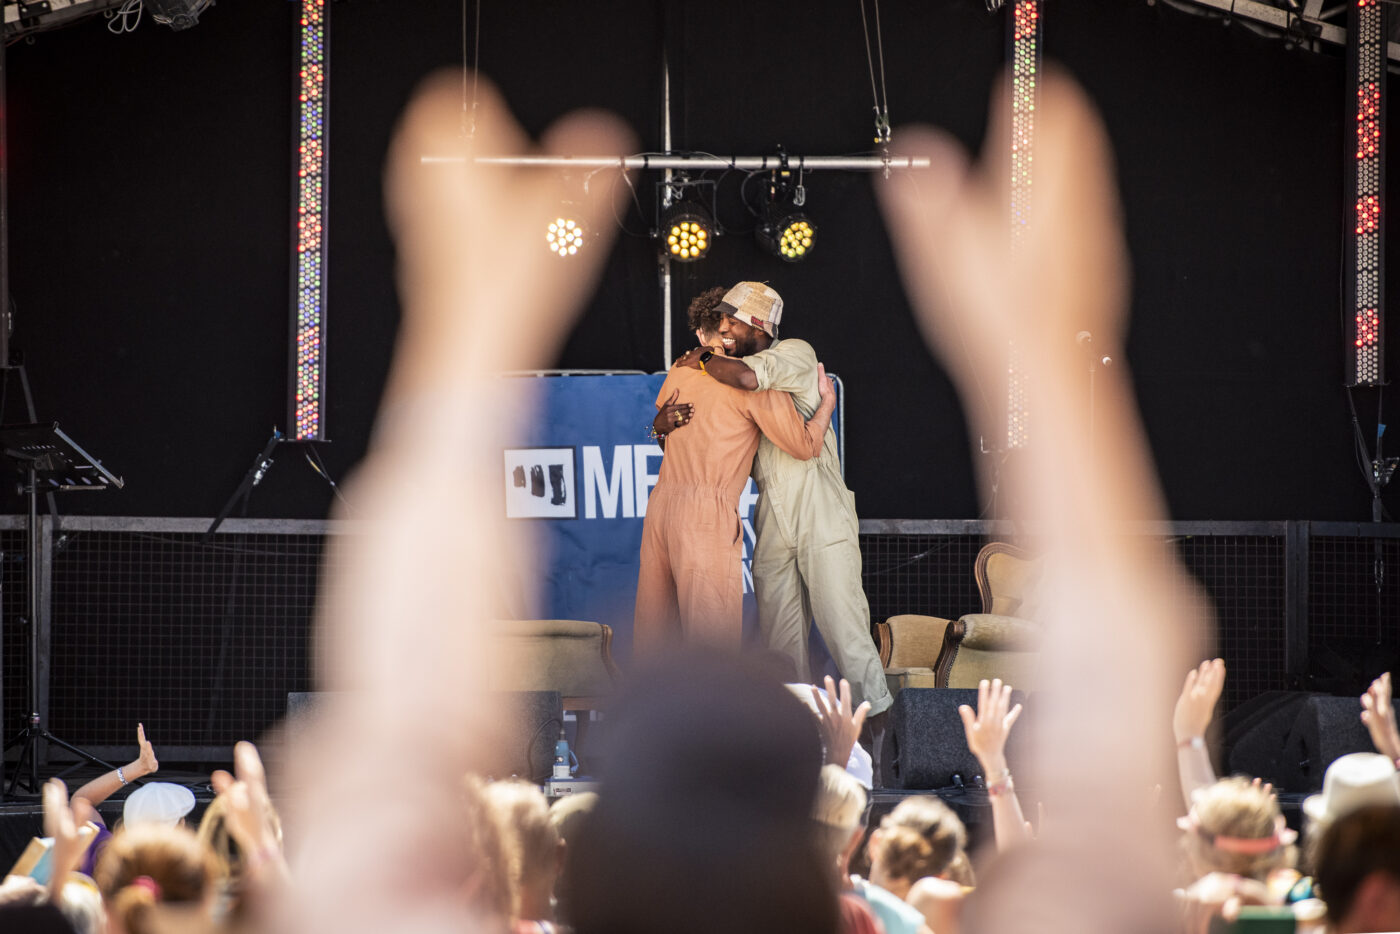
(540, 483)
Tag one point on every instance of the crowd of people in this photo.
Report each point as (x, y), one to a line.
(727, 805)
(691, 830)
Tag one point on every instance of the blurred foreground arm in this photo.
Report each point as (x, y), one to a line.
(403, 621)
(1112, 601)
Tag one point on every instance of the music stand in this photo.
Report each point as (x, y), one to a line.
(51, 461)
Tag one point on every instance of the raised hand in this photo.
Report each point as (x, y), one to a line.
(839, 724)
(146, 758)
(953, 236)
(1378, 713)
(988, 728)
(64, 822)
(1195, 707)
(248, 807)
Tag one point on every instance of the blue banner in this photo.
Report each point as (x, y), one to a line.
(582, 468)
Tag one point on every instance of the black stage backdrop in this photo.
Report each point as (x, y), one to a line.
(150, 196)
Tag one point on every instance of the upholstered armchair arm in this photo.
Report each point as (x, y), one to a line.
(992, 646)
(909, 640)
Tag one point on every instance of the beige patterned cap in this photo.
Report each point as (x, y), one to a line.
(754, 304)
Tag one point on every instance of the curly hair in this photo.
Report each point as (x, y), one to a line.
(704, 313)
(920, 837)
(1235, 807)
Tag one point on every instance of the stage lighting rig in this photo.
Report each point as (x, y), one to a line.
(784, 230)
(686, 224)
(177, 14)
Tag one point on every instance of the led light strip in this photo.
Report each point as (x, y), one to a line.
(308, 339)
(1366, 53)
(1025, 68)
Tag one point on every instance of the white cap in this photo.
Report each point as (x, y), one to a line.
(158, 803)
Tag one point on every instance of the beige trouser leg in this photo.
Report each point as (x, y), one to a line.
(806, 566)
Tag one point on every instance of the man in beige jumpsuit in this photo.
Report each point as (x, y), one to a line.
(806, 562)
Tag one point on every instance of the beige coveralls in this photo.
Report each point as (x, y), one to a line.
(689, 585)
(806, 562)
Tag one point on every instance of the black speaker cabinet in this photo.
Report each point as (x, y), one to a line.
(928, 746)
(1289, 737)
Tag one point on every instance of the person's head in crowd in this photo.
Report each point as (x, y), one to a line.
(158, 803)
(704, 817)
(704, 317)
(920, 837)
(156, 878)
(1358, 870)
(81, 904)
(839, 816)
(1351, 781)
(567, 815)
(230, 863)
(487, 886)
(534, 850)
(1235, 827)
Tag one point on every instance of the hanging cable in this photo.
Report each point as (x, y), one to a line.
(882, 109)
(126, 18)
(469, 114)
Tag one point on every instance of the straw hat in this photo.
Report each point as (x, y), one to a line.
(1353, 780)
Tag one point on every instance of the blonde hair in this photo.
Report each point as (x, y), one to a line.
(1235, 808)
(492, 885)
(146, 869)
(530, 839)
(921, 837)
(213, 834)
(837, 811)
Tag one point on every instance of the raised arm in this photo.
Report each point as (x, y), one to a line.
(778, 418)
(103, 786)
(1378, 713)
(986, 732)
(1113, 598)
(66, 824)
(1195, 707)
(424, 688)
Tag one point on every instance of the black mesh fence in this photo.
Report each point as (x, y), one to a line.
(203, 638)
(1353, 624)
(150, 622)
(1242, 573)
(14, 630)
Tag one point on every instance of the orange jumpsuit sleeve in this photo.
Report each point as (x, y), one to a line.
(667, 386)
(779, 419)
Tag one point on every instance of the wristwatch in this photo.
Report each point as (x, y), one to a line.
(704, 359)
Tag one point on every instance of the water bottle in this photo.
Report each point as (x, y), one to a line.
(562, 755)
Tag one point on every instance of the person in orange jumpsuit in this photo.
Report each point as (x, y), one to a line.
(689, 586)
